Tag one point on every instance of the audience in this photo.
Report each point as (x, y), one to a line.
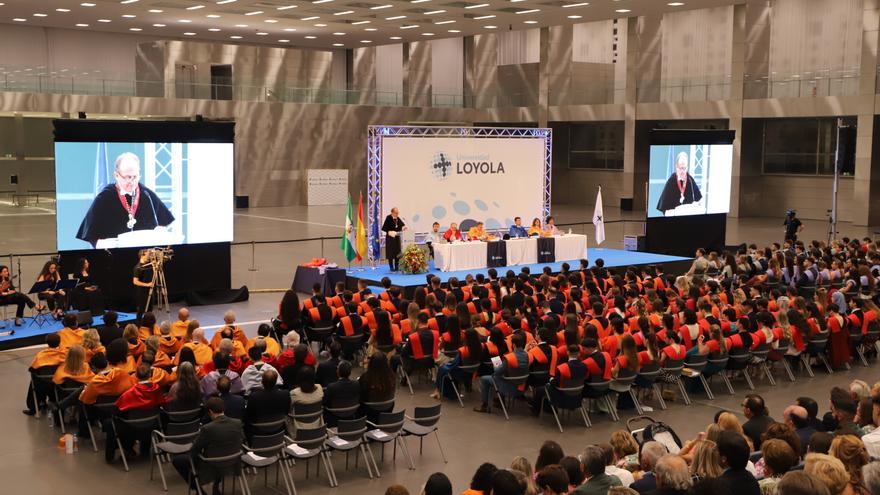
(734, 452)
(596, 482)
(650, 454)
(830, 472)
(672, 476)
(758, 419)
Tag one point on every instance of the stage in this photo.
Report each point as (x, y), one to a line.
(32, 334)
(612, 258)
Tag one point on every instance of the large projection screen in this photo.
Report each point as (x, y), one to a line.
(460, 175)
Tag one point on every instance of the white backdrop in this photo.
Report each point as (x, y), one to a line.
(474, 186)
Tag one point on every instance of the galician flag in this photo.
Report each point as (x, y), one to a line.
(599, 218)
(346, 245)
(360, 243)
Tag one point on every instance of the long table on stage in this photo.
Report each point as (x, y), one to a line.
(474, 255)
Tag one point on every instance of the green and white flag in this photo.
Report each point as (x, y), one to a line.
(347, 244)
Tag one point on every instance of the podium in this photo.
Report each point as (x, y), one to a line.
(407, 238)
(139, 238)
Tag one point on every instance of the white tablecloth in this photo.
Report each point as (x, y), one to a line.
(569, 247)
(460, 256)
(522, 251)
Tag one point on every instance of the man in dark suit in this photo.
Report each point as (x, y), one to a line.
(267, 404)
(651, 453)
(796, 417)
(109, 331)
(325, 374)
(734, 453)
(222, 433)
(758, 419)
(342, 391)
(233, 404)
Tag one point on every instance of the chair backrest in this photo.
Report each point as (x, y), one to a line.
(718, 359)
(598, 385)
(307, 411)
(69, 386)
(451, 353)
(625, 377)
(182, 432)
(44, 373)
(782, 346)
(673, 366)
(649, 372)
(183, 415)
(380, 406)
(106, 404)
(761, 351)
(516, 375)
(351, 339)
(426, 416)
(574, 391)
(139, 419)
(269, 425)
(539, 376)
(310, 438)
(351, 430)
(697, 362)
(342, 406)
(267, 445)
(222, 455)
(469, 365)
(390, 422)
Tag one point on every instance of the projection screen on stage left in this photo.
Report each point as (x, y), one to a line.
(463, 180)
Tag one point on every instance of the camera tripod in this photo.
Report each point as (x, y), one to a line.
(159, 287)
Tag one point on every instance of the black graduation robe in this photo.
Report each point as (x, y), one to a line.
(392, 244)
(107, 218)
(671, 196)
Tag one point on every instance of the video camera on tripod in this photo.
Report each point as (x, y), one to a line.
(158, 256)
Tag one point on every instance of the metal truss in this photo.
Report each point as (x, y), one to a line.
(376, 133)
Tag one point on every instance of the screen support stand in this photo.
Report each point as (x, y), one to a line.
(832, 219)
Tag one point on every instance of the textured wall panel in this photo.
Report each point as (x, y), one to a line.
(418, 74)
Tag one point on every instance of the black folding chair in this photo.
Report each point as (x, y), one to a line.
(422, 423)
(176, 439)
(309, 443)
(221, 458)
(573, 394)
(133, 422)
(388, 430)
(467, 367)
(350, 436)
(816, 349)
(696, 363)
(265, 451)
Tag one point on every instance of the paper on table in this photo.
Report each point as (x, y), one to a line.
(338, 442)
(379, 434)
(297, 450)
(255, 456)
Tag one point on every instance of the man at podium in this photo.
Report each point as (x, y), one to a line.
(125, 206)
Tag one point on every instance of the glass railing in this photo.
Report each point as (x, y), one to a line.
(813, 83)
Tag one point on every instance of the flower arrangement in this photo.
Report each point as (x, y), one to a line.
(413, 260)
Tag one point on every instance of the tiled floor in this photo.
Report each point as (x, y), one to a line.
(31, 463)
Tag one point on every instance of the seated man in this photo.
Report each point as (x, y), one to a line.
(109, 331)
(569, 374)
(221, 368)
(48, 359)
(178, 328)
(339, 392)
(144, 395)
(221, 432)
(434, 236)
(168, 343)
(233, 404)
(517, 230)
(517, 359)
(599, 364)
(70, 334)
(452, 233)
(264, 331)
(477, 233)
(267, 403)
(326, 372)
(421, 346)
(252, 376)
(200, 348)
(229, 330)
(321, 315)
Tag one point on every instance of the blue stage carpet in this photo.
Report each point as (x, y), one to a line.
(30, 333)
(612, 258)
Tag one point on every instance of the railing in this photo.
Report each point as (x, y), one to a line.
(812, 83)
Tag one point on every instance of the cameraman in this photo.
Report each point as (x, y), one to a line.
(143, 279)
(793, 226)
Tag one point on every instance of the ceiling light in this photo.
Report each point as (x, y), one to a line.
(322, 1)
(235, 37)
(39, 15)
(128, 1)
(530, 22)
(370, 29)
(338, 44)
(284, 41)
(87, 4)
(622, 11)
(311, 37)
(262, 33)
(477, 6)
(212, 16)
(454, 31)
(195, 7)
(290, 29)
(104, 20)
(483, 17)
(490, 27)
(286, 7)
(271, 21)
(159, 25)
(221, 2)
(155, 11)
(366, 41)
(189, 33)
(214, 30)
(129, 16)
(312, 18)
(427, 34)
(675, 4)
(395, 38)
(62, 10)
(444, 22)
(514, 1)
(380, 7)
(358, 23)
(395, 18)
(410, 26)
(241, 25)
(435, 12)
(344, 12)
(256, 12)
(19, 19)
(321, 25)
(78, 25)
(420, 1)
(530, 11)
(582, 4)
(185, 21)
(338, 34)
(135, 29)
(574, 17)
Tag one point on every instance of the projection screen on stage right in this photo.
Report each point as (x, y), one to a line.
(463, 180)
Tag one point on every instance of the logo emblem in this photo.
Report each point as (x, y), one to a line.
(440, 166)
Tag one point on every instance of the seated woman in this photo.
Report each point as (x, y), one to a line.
(536, 230)
(627, 361)
(9, 296)
(289, 315)
(75, 367)
(470, 351)
(307, 392)
(56, 299)
(377, 384)
(92, 344)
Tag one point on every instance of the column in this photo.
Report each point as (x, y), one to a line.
(867, 179)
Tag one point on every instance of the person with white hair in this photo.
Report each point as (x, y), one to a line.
(199, 346)
(871, 477)
(673, 475)
(291, 339)
(651, 453)
(237, 333)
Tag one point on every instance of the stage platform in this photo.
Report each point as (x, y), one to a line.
(612, 258)
(30, 333)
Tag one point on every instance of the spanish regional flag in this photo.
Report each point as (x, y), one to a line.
(361, 236)
(345, 244)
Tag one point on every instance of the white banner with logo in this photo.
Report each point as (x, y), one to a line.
(463, 180)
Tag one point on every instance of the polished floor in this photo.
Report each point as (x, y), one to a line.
(31, 463)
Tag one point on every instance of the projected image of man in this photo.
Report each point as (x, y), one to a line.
(124, 206)
(681, 188)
